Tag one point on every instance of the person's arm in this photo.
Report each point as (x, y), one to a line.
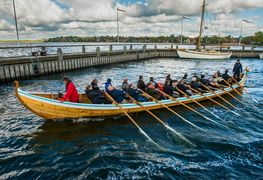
(68, 93)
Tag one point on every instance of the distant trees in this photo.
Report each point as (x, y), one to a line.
(256, 39)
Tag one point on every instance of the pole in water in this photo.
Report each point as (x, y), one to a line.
(158, 119)
(200, 105)
(245, 91)
(230, 93)
(144, 133)
(188, 107)
(218, 96)
(202, 94)
(180, 135)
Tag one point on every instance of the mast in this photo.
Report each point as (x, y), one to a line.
(17, 34)
(201, 26)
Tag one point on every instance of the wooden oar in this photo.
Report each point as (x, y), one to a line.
(210, 90)
(188, 107)
(245, 91)
(179, 90)
(174, 112)
(123, 110)
(158, 119)
(232, 94)
(211, 99)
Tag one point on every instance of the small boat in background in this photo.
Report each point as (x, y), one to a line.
(47, 106)
(202, 53)
(190, 54)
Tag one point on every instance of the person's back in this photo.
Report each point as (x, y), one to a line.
(141, 85)
(107, 84)
(96, 96)
(118, 95)
(125, 85)
(71, 91)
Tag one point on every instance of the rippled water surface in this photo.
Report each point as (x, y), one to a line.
(32, 148)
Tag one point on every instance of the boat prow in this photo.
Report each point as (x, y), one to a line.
(47, 106)
(191, 54)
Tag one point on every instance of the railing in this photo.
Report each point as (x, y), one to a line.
(66, 48)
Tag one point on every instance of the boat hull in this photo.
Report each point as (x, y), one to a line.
(203, 55)
(47, 108)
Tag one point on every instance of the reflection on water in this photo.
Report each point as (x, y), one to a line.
(114, 148)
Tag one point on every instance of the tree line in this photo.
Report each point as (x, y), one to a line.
(256, 39)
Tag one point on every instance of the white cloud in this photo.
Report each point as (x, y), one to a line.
(46, 18)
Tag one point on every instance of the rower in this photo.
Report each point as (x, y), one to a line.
(96, 95)
(125, 85)
(195, 84)
(226, 77)
(107, 84)
(141, 84)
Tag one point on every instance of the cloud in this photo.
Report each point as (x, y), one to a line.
(47, 18)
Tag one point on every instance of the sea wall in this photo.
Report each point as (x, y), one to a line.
(28, 67)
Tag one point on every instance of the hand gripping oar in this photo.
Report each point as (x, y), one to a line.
(180, 135)
(192, 109)
(211, 99)
(144, 133)
(230, 93)
(158, 119)
(245, 91)
(200, 105)
(211, 91)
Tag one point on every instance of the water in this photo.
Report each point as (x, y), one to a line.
(109, 148)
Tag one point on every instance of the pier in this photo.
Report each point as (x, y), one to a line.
(42, 63)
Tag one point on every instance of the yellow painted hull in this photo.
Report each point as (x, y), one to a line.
(46, 107)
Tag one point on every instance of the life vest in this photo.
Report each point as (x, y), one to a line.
(160, 86)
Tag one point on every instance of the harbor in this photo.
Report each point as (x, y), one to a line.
(42, 63)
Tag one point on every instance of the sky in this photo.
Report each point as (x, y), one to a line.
(38, 19)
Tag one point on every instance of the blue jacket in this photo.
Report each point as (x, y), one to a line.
(107, 84)
(117, 95)
(237, 68)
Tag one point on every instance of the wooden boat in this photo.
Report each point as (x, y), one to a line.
(188, 54)
(46, 106)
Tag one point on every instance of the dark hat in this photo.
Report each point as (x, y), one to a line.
(109, 80)
(140, 77)
(226, 71)
(65, 79)
(202, 76)
(151, 78)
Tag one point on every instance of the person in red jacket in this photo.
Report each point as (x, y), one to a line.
(72, 94)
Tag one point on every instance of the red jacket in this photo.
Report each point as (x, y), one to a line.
(71, 94)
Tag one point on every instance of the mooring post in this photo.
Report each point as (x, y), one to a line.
(60, 54)
(83, 49)
(172, 46)
(110, 48)
(98, 51)
(131, 47)
(144, 48)
(125, 49)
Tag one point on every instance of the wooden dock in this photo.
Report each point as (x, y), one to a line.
(17, 68)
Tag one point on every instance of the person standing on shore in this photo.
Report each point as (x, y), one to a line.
(237, 70)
